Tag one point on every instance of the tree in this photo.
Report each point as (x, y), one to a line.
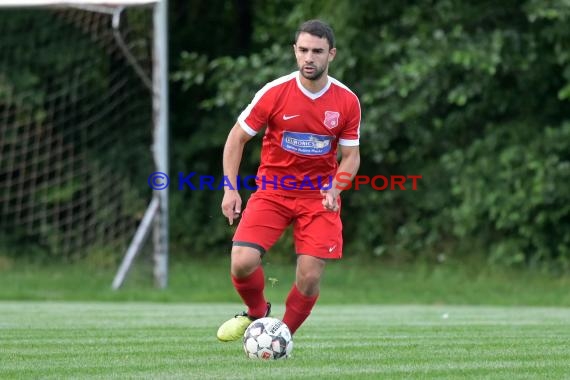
(472, 96)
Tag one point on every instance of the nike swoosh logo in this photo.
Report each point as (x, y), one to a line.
(287, 117)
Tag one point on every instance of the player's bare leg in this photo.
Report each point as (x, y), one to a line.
(244, 261)
(308, 275)
(305, 291)
(249, 281)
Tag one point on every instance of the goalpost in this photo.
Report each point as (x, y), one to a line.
(83, 122)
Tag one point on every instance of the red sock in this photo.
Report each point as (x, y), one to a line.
(250, 289)
(297, 308)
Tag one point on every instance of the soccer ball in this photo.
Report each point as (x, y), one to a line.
(267, 338)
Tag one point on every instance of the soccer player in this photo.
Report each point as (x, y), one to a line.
(309, 116)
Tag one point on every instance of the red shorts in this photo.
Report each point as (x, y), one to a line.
(317, 232)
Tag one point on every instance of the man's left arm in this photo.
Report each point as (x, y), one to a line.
(347, 169)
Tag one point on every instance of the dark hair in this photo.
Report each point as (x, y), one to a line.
(317, 28)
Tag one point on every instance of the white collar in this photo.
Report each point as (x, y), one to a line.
(312, 95)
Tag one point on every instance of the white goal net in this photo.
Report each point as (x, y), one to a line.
(82, 120)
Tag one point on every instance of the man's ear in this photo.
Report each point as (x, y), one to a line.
(332, 54)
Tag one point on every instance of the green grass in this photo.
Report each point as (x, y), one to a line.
(372, 282)
(373, 320)
(103, 340)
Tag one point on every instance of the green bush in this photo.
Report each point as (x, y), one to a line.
(511, 191)
(461, 93)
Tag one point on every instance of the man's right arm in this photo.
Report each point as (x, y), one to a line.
(233, 151)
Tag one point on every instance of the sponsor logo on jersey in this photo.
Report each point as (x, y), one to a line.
(331, 119)
(306, 143)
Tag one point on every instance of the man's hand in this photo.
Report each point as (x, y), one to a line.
(231, 205)
(330, 198)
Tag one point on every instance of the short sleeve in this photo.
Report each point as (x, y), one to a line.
(255, 116)
(350, 135)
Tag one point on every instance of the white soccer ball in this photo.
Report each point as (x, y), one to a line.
(267, 338)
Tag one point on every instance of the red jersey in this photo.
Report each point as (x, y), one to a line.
(299, 149)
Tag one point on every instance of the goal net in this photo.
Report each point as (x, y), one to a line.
(81, 127)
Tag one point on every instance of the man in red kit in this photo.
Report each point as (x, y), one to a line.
(308, 116)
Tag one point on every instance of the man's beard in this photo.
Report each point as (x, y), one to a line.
(316, 75)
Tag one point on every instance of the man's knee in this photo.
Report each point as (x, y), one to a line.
(309, 285)
(244, 261)
(310, 277)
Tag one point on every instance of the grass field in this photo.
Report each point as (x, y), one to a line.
(54, 340)
(372, 282)
(374, 320)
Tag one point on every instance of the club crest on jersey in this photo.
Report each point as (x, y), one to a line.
(331, 119)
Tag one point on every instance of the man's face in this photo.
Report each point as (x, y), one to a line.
(313, 55)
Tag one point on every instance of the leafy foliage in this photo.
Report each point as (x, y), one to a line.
(472, 96)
